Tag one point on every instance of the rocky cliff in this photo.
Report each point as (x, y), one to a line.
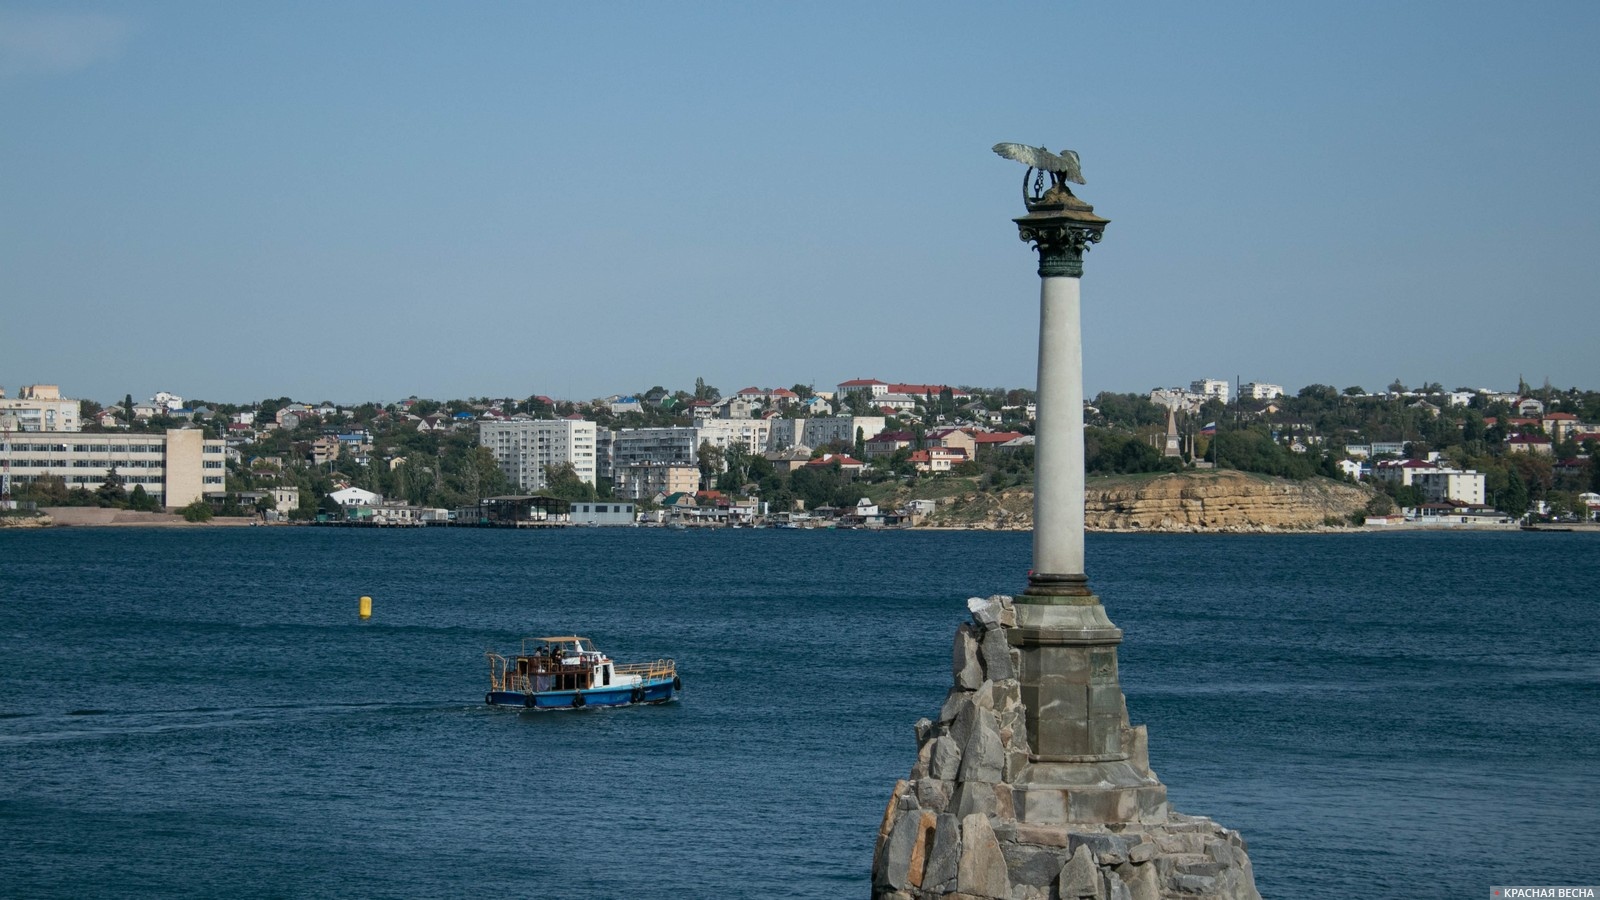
(1189, 501)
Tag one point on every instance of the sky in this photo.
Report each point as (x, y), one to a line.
(356, 201)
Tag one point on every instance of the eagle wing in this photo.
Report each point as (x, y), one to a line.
(1040, 158)
(1022, 153)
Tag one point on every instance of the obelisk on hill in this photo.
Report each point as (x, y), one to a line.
(1032, 784)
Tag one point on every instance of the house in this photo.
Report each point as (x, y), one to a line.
(1352, 468)
(935, 460)
(957, 439)
(1559, 425)
(1528, 406)
(354, 496)
(620, 405)
(1529, 443)
(887, 442)
(786, 461)
(986, 442)
(846, 463)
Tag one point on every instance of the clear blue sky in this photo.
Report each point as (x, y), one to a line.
(356, 201)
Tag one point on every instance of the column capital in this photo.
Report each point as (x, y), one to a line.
(1062, 228)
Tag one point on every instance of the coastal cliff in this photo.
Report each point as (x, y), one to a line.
(1187, 501)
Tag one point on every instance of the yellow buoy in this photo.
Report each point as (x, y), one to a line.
(366, 607)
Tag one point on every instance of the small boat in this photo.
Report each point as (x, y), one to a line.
(567, 672)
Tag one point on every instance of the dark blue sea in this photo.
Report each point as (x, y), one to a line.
(201, 713)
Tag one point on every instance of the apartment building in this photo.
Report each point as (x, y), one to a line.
(526, 448)
(39, 407)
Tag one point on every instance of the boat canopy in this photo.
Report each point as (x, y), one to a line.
(564, 639)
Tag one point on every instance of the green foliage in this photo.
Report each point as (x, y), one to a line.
(1514, 500)
(111, 492)
(1254, 450)
(141, 501)
(561, 480)
(198, 511)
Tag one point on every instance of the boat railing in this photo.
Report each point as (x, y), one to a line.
(661, 668)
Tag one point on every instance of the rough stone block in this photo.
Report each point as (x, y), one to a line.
(944, 857)
(1003, 809)
(944, 759)
(973, 798)
(889, 811)
(982, 870)
(982, 757)
(932, 793)
(965, 665)
(1116, 888)
(1043, 835)
(923, 728)
(1102, 847)
(926, 824)
(1033, 865)
(996, 656)
(954, 702)
(919, 769)
(895, 862)
(1080, 878)
(986, 612)
(1141, 852)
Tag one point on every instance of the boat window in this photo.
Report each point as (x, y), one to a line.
(605, 674)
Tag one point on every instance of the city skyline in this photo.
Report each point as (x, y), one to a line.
(331, 204)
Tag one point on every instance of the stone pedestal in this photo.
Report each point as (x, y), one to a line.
(981, 816)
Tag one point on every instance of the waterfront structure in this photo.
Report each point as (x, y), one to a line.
(175, 468)
(39, 407)
(602, 512)
(526, 448)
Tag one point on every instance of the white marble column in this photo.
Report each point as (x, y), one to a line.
(1058, 448)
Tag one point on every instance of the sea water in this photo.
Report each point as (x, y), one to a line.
(200, 712)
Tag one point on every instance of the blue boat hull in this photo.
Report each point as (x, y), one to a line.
(658, 691)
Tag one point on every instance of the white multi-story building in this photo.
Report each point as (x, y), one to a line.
(176, 468)
(680, 444)
(39, 407)
(1259, 390)
(525, 448)
(1438, 483)
(1451, 484)
(1211, 388)
(788, 433)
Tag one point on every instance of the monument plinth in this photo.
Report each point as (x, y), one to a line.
(1032, 784)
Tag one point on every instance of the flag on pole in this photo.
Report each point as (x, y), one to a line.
(1210, 428)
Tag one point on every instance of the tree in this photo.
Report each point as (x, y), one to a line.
(1514, 499)
(561, 480)
(1354, 390)
(141, 501)
(127, 410)
(198, 511)
(703, 391)
(112, 493)
(1397, 386)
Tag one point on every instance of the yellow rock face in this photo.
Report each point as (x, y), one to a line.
(1220, 501)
